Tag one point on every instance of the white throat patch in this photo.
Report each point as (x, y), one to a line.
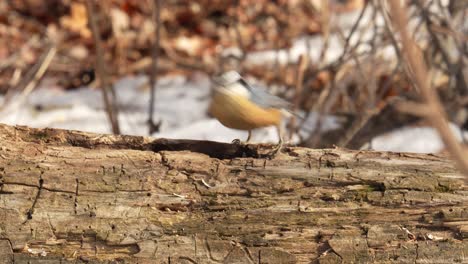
(236, 89)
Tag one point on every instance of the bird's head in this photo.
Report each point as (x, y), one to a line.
(227, 78)
(231, 82)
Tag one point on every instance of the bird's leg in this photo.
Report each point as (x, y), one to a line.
(249, 136)
(239, 142)
(280, 136)
(280, 142)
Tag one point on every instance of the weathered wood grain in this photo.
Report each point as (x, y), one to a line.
(75, 197)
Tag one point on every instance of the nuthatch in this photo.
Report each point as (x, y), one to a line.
(238, 105)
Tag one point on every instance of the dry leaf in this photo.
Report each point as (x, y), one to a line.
(77, 22)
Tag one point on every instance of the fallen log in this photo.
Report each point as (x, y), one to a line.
(73, 197)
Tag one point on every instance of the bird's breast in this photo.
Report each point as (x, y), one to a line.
(239, 112)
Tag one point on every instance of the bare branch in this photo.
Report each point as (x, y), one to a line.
(108, 95)
(418, 69)
(302, 65)
(35, 74)
(154, 66)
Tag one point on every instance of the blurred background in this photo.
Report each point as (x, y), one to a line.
(90, 65)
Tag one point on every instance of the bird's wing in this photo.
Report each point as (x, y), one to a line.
(263, 98)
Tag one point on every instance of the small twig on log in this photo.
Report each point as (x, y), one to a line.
(154, 66)
(418, 69)
(206, 184)
(107, 90)
(179, 195)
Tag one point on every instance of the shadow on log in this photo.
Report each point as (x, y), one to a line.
(75, 197)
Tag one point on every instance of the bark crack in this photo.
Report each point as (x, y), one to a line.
(210, 254)
(30, 212)
(75, 205)
(165, 161)
(417, 254)
(188, 259)
(195, 244)
(11, 249)
(95, 245)
(9, 243)
(51, 226)
(40, 186)
(246, 250)
(334, 251)
(247, 197)
(194, 183)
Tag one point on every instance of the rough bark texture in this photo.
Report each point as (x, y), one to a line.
(73, 197)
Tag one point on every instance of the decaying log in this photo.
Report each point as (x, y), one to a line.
(75, 197)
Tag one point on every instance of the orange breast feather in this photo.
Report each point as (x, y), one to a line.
(239, 113)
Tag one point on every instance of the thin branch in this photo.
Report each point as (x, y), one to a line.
(154, 66)
(50, 54)
(240, 43)
(329, 94)
(108, 95)
(351, 33)
(33, 76)
(302, 65)
(454, 66)
(187, 62)
(418, 68)
(325, 24)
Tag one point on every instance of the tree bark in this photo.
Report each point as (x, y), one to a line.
(75, 197)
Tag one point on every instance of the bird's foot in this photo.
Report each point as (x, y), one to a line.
(237, 142)
(275, 150)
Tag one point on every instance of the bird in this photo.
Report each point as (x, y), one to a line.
(238, 105)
